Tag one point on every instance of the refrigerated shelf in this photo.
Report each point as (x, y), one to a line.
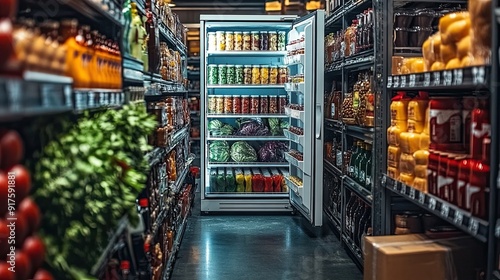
(299, 139)
(292, 60)
(248, 164)
(247, 86)
(247, 138)
(298, 190)
(295, 114)
(449, 212)
(295, 87)
(246, 116)
(246, 53)
(295, 162)
(246, 195)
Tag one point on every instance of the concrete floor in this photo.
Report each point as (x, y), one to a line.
(259, 247)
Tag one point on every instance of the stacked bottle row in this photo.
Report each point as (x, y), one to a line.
(171, 114)
(445, 150)
(66, 48)
(247, 41)
(358, 106)
(247, 104)
(246, 74)
(360, 164)
(334, 204)
(247, 180)
(357, 219)
(356, 38)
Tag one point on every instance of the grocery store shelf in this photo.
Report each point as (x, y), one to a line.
(158, 153)
(247, 138)
(193, 60)
(477, 77)
(333, 125)
(332, 168)
(292, 60)
(193, 73)
(246, 86)
(353, 249)
(174, 42)
(363, 60)
(298, 190)
(194, 138)
(246, 53)
(335, 222)
(31, 76)
(177, 243)
(299, 139)
(248, 164)
(246, 116)
(295, 162)
(295, 87)
(451, 213)
(335, 67)
(246, 195)
(109, 250)
(362, 133)
(353, 6)
(361, 191)
(177, 185)
(295, 114)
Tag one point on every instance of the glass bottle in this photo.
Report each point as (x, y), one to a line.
(368, 172)
(348, 207)
(153, 43)
(359, 33)
(351, 214)
(355, 221)
(362, 221)
(361, 174)
(354, 153)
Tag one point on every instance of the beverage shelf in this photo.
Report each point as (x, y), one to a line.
(461, 219)
(332, 168)
(293, 161)
(246, 195)
(333, 125)
(246, 53)
(361, 191)
(359, 132)
(477, 77)
(247, 164)
(359, 61)
(247, 86)
(299, 139)
(247, 138)
(246, 116)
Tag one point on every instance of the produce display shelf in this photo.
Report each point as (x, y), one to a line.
(361, 191)
(476, 77)
(293, 161)
(168, 35)
(295, 87)
(246, 195)
(335, 222)
(246, 115)
(295, 114)
(175, 248)
(461, 219)
(247, 86)
(292, 60)
(177, 185)
(246, 53)
(353, 249)
(158, 153)
(248, 164)
(332, 168)
(299, 139)
(298, 190)
(247, 138)
(109, 250)
(348, 8)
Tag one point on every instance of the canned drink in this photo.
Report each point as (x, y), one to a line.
(212, 74)
(222, 74)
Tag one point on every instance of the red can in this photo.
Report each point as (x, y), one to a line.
(446, 124)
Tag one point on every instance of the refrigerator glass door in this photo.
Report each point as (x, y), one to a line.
(305, 89)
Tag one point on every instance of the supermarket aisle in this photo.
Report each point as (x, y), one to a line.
(260, 247)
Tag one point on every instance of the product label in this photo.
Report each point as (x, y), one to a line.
(470, 191)
(446, 126)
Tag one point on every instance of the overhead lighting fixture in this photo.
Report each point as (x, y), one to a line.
(171, 4)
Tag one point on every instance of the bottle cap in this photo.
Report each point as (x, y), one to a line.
(143, 202)
(125, 265)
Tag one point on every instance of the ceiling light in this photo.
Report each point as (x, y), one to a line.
(171, 4)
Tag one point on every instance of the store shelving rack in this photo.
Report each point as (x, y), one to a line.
(468, 79)
(339, 71)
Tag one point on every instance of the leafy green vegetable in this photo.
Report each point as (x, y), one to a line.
(242, 152)
(87, 179)
(218, 151)
(218, 128)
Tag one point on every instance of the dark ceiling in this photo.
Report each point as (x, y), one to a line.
(189, 11)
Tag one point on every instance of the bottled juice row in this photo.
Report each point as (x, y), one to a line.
(441, 146)
(248, 180)
(171, 114)
(69, 49)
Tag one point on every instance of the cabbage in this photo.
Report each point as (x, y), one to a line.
(273, 152)
(242, 152)
(218, 151)
(217, 128)
(277, 126)
(252, 127)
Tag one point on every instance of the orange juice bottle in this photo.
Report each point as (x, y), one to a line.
(74, 42)
(118, 59)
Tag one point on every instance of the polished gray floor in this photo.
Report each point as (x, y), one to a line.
(259, 248)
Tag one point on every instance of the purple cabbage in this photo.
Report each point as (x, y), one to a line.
(252, 128)
(272, 152)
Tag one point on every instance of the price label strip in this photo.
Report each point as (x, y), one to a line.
(458, 77)
(459, 217)
(427, 79)
(396, 81)
(437, 79)
(412, 193)
(403, 81)
(432, 203)
(473, 226)
(421, 198)
(413, 79)
(447, 78)
(478, 75)
(445, 210)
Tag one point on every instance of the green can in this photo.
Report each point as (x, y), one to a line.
(230, 75)
(212, 74)
(238, 73)
(222, 75)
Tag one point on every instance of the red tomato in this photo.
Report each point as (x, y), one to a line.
(4, 238)
(11, 143)
(22, 182)
(31, 212)
(4, 191)
(5, 274)
(23, 266)
(35, 250)
(42, 274)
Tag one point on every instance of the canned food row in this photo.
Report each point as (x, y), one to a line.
(223, 74)
(246, 104)
(247, 41)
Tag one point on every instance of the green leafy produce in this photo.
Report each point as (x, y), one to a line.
(277, 126)
(218, 151)
(230, 180)
(214, 125)
(242, 152)
(221, 180)
(218, 128)
(87, 180)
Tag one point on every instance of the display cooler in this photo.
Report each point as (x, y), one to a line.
(261, 113)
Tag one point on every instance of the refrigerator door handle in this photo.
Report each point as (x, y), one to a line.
(319, 121)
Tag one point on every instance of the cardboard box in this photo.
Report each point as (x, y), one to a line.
(414, 257)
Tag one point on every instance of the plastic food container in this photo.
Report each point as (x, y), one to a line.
(238, 41)
(213, 74)
(264, 74)
(245, 104)
(254, 104)
(247, 41)
(231, 75)
(222, 74)
(255, 40)
(256, 74)
(403, 19)
(247, 74)
(264, 104)
(212, 41)
(221, 40)
(229, 41)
